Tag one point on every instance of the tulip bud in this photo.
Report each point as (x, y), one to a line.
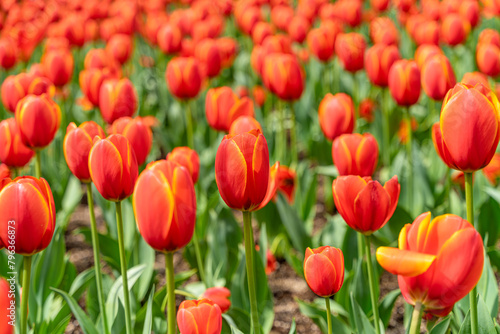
(42, 85)
(13, 152)
(378, 61)
(222, 107)
(350, 48)
(283, 75)
(113, 167)
(468, 132)
(137, 132)
(437, 76)
(422, 261)
(366, 109)
(242, 170)
(355, 154)
(321, 42)
(193, 314)
(364, 204)
(38, 119)
(488, 59)
(474, 78)
(298, 28)
(183, 77)
(324, 270)
(454, 29)
(77, 145)
(187, 158)
(336, 115)
(424, 52)
(220, 296)
(28, 209)
(404, 82)
(119, 47)
(169, 39)
(244, 124)
(58, 66)
(261, 31)
(427, 33)
(4, 172)
(259, 95)
(207, 53)
(166, 221)
(8, 53)
(117, 98)
(91, 81)
(14, 88)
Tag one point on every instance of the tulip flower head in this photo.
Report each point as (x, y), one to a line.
(438, 262)
(492, 171)
(437, 76)
(117, 98)
(199, 317)
(350, 48)
(223, 107)
(336, 115)
(4, 171)
(284, 76)
(220, 296)
(13, 152)
(58, 66)
(355, 154)
(404, 82)
(324, 270)
(378, 61)
(14, 88)
(187, 158)
(244, 124)
(138, 132)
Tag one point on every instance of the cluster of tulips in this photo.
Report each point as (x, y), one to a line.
(164, 107)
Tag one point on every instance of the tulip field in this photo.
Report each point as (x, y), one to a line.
(249, 166)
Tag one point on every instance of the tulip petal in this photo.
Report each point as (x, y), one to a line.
(393, 189)
(319, 273)
(272, 186)
(404, 262)
(345, 190)
(371, 207)
(187, 322)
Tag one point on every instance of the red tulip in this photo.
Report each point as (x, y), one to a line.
(91, 81)
(454, 29)
(378, 61)
(42, 85)
(187, 158)
(228, 48)
(244, 124)
(488, 59)
(259, 95)
(271, 263)
(183, 77)
(58, 66)
(321, 42)
(199, 317)
(489, 36)
(492, 170)
(383, 31)
(169, 39)
(4, 171)
(424, 52)
(283, 75)
(242, 170)
(8, 53)
(165, 220)
(113, 167)
(222, 107)
(208, 55)
(422, 261)
(437, 76)
(261, 31)
(14, 88)
(13, 152)
(286, 182)
(350, 48)
(298, 28)
(364, 204)
(281, 16)
(120, 47)
(467, 135)
(137, 132)
(38, 119)
(7, 305)
(355, 154)
(28, 209)
(117, 98)
(366, 109)
(324, 270)
(404, 82)
(474, 78)
(336, 115)
(220, 296)
(469, 10)
(403, 131)
(427, 33)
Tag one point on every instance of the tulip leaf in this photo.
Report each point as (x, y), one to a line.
(305, 194)
(442, 326)
(238, 316)
(144, 255)
(488, 288)
(107, 246)
(488, 213)
(318, 315)
(485, 321)
(85, 323)
(386, 306)
(293, 327)
(148, 321)
(358, 318)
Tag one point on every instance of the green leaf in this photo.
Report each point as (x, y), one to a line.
(485, 322)
(489, 213)
(148, 322)
(294, 226)
(442, 326)
(487, 287)
(359, 321)
(107, 246)
(293, 327)
(84, 321)
(386, 305)
(238, 316)
(388, 235)
(318, 315)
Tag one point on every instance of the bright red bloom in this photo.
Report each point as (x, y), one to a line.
(350, 48)
(321, 43)
(404, 82)
(383, 31)
(222, 107)
(91, 81)
(259, 95)
(437, 76)
(120, 47)
(14, 88)
(13, 152)
(454, 29)
(220, 296)
(8, 53)
(187, 158)
(283, 75)
(324, 270)
(336, 115)
(424, 52)
(139, 134)
(4, 171)
(355, 154)
(169, 39)
(488, 59)
(208, 55)
(244, 124)
(7, 302)
(184, 77)
(366, 109)
(58, 66)
(117, 98)
(199, 317)
(378, 61)
(492, 170)
(298, 28)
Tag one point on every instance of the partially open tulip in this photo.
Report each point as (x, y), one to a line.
(284, 76)
(324, 270)
(208, 55)
(38, 119)
(222, 107)
(113, 167)
(321, 43)
(242, 170)
(58, 66)
(467, 135)
(298, 28)
(28, 209)
(220, 296)
(424, 52)
(378, 61)
(120, 47)
(169, 39)
(454, 29)
(77, 145)
(165, 205)
(187, 158)
(199, 317)
(13, 152)
(138, 133)
(365, 205)
(350, 48)
(184, 77)
(244, 124)
(438, 262)
(42, 85)
(383, 31)
(8, 53)
(91, 81)
(437, 76)
(404, 82)
(14, 88)
(4, 171)
(117, 98)
(355, 154)
(336, 115)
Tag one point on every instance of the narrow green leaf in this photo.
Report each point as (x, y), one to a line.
(148, 322)
(84, 321)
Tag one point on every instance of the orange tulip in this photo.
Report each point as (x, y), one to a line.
(28, 209)
(58, 66)
(98, 58)
(489, 36)
(119, 47)
(38, 119)
(298, 28)
(187, 158)
(8, 53)
(281, 16)
(166, 220)
(324, 270)
(113, 167)
(336, 115)
(4, 171)
(137, 132)
(474, 78)
(117, 98)
(259, 95)
(404, 82)
(13, 152)
(488, 59)
(422, 261)
(355, 154)
(183, 77)
(350, 48)
(321, 43)
(77, 145)
(169, 39)
(222, 107)
(199, 317)
(468, 132)
(427, 33)
(437, 76)
(208, 55)
(14, 88)
(283, 76)
(41, 85)
(91, 81)
(383, 31)
(220, 296)
(424, 52)
(454, 29)
(228, 48)
(403, 131)
(380, 5)
(364, 204)
(261, 31)
(242, 170)
(244, 124)
(469, 10)
(286, 182)
(378, 61)
(492, 170)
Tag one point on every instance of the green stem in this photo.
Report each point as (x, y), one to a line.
(169, 273)
(355, 95)
(416, 318)
(386, 154)
(197, 252)
(360, 246)
(249, 249)
(38, 164)
(26, 292)
(293, 137)
(189, 126)
(123, 264)
(328, 315)
(410, 158)
(97, 262)
(282, 134)
(371, 278)
(470, 217)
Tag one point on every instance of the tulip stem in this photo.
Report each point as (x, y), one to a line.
(386, 130)
(371, 278)
(249, 249)
(409, 152)
(197, 252)
(189, 126)
(360, 246)
(328, 315)
(416, 318)
(26, 274)
(169, 273)
(470, 217)
(123, 264)
(293, 136)
(97, 262)
(38, 164)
